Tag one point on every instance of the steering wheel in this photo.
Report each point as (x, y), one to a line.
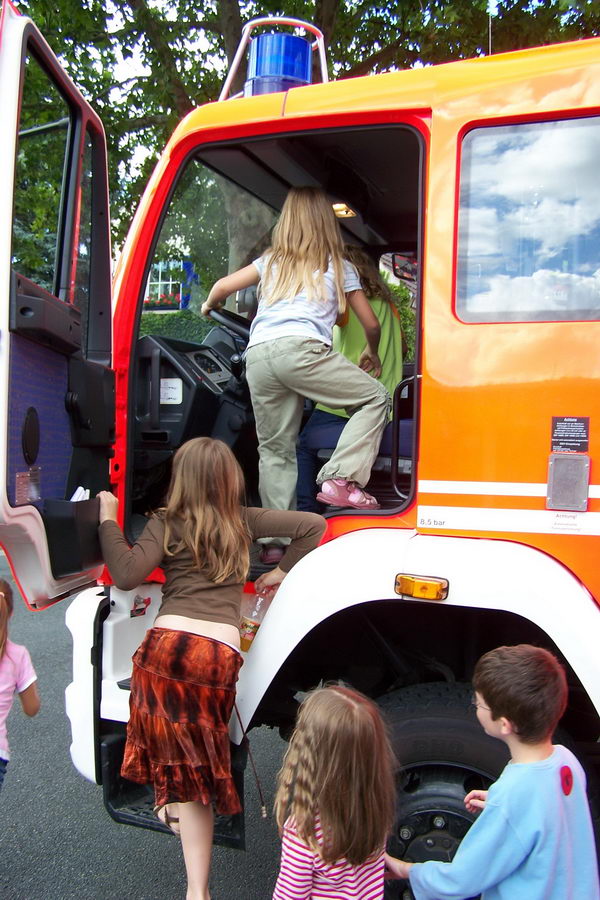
(234, 323)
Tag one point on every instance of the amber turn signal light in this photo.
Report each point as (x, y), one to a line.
(422, 588)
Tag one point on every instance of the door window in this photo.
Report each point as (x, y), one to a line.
(44, 136)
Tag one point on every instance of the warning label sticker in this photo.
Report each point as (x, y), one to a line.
(570, 434)
(171, 391)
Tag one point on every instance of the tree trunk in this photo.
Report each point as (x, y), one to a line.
(230, 19)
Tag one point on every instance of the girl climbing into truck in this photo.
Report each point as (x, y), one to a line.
(185, 671)
(305, 284)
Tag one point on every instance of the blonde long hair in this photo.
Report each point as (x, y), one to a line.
(203, 512)
(339, 767)
(6, 608)
(306, 239)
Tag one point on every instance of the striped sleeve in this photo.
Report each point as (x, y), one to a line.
(295, 879)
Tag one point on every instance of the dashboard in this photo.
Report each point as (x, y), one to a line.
(182, 390)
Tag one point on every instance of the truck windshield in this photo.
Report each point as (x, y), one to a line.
(212, 226)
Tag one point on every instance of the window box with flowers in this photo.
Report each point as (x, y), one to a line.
(162, 302)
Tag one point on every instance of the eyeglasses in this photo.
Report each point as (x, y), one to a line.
(477, 705)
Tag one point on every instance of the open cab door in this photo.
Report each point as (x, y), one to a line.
(56, 384)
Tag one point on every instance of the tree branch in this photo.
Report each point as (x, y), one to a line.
(140, 123)
(384, 57)
(153, 31)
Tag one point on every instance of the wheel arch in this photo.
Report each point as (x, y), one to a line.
(535, 597)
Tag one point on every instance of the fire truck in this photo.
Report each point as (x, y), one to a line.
(484, 174)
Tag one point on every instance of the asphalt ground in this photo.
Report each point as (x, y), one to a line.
(57, 842)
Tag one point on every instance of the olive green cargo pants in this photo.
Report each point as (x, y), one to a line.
(281, 373)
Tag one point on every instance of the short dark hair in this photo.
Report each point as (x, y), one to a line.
(525, 684)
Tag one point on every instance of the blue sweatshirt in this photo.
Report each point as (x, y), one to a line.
(533, 840)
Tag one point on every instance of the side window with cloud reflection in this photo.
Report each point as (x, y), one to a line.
(529, 223)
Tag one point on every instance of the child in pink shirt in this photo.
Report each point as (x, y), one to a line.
(17, 676)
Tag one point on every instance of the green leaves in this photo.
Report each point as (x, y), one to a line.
(144, 63)
(182, 324)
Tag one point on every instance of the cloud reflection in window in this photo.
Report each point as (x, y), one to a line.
(529, 222)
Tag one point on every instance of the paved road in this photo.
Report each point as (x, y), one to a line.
(56, 840)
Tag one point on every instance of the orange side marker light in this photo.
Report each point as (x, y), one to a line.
(423, 588)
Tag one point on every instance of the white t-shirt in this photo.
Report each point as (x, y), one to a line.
(299, 316)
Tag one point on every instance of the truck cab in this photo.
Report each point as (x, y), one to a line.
(480, 178)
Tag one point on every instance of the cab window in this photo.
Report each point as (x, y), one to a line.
(529, 222)
(42, 153)
(60, 243)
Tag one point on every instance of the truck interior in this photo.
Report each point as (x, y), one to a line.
(188, 371)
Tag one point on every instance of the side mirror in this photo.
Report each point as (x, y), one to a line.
(404, 267)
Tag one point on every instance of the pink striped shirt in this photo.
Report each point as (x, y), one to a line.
(304, 876)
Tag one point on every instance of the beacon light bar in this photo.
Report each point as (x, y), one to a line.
(280, 63)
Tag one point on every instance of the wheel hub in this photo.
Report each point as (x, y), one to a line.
(438, 845)
(432, 819)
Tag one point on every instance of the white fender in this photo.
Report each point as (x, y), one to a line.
(361, 567)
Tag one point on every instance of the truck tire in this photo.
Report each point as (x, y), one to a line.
(443, 753)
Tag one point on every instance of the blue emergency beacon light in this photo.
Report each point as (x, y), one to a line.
(277, 61)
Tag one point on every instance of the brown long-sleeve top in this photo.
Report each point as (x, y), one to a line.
(187, 590)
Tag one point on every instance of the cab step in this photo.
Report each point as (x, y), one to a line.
(133, 804)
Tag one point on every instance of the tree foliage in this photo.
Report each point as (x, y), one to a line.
(404, 302)
(145, 63)
(182, 324)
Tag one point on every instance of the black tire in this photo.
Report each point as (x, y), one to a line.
(443, 753)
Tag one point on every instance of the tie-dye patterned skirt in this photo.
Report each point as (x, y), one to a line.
(182, 695)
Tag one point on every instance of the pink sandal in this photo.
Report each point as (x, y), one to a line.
(339, 492)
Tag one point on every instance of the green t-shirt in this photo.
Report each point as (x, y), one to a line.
(350, 341)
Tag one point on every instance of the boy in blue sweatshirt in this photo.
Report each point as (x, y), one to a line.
(534, 838)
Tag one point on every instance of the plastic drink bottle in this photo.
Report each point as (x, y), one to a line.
(254, 607)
